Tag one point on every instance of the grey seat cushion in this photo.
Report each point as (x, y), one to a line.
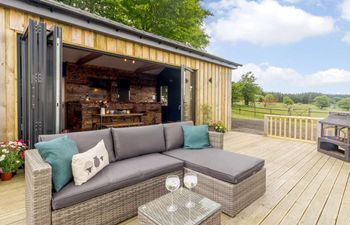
(115, 176)
(174, 137)
(87, 139)
(223, 165)
(135, 141)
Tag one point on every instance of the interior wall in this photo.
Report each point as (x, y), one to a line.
(82, 99)
(77, 79)
(12, 22)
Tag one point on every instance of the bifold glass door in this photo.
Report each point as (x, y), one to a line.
(40, 80)
(188, 81)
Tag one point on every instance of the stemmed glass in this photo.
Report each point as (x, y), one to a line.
(190, 181)
(172, 183)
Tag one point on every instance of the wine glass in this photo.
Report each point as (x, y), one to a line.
(190, 181)
(172, 183)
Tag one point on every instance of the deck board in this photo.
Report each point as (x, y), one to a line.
(303, 186)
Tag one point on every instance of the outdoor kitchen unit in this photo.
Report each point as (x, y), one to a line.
(335, 136)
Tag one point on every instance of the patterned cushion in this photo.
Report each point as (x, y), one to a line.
(87, 164)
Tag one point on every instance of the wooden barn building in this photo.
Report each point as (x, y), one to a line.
(60, 65)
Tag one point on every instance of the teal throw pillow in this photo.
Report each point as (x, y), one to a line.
(196, 137)
(58, 153)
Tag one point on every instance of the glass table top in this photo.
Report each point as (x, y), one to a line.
(156, 210)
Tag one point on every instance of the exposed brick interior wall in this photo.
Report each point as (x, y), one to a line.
(142, 86)
(82, 99)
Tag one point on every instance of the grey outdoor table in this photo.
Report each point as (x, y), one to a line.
(206, 211)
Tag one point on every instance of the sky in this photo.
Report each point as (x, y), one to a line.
(291, 46)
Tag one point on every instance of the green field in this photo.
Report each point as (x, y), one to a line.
(258, 112)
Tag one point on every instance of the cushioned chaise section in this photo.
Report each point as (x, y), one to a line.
(87, 139)
(134, 141)
(174, 137)
(115, 176)
(226, 166)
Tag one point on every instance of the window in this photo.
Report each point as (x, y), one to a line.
(164, 95)
(123, 90)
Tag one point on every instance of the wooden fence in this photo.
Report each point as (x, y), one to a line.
(259, 112)
(292, 127)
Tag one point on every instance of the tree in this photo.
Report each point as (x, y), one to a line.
(287, 100)
(247, 88)
(236, 92)
(269, 99)
(322, 101)
(180, 20)
(344, 103)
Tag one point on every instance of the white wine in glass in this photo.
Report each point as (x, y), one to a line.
(190, 181)
(172, 183)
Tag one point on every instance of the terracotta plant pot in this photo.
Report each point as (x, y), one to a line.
(6, 176)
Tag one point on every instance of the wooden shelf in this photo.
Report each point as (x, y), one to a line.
(119, 115)
(339, 154)
(113, 125)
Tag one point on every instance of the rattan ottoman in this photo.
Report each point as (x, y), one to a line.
(205, 212)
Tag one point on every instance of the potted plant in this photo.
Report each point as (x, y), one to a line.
(206, 113)
(220, 127)
(11, 158)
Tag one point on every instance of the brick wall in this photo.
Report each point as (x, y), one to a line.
(80, 110)
(142, 86)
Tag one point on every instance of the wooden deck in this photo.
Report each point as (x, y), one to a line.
(303, 186)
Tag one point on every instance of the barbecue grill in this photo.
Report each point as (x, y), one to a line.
(335, 136)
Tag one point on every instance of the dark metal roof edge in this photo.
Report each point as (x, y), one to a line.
(68, 14)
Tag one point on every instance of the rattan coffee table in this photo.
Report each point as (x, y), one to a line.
(206, 211)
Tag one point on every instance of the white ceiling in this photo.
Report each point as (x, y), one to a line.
(73, 55)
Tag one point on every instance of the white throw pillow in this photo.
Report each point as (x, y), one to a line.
(87, 164)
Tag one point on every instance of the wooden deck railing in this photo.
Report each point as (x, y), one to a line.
(292, 127)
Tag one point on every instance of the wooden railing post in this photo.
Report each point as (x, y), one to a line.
(292, 127)
(319, 130)
(266, 125)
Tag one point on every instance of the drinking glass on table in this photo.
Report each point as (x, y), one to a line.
(172, 183)
(190, 181)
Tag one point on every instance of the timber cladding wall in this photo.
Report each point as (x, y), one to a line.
(12, 22)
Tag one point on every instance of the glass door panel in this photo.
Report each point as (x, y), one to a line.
(188, 94)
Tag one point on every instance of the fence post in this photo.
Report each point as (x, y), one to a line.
(309, 112)
(266, 125)
(254, 111)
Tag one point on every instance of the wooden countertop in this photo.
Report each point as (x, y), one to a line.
(119, 115)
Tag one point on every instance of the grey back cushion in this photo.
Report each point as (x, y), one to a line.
(85, 140)
(134, 141)
(174, 137)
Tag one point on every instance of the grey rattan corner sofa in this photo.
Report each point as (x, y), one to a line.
(140, 160)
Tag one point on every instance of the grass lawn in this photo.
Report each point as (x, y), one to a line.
(258, 112)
